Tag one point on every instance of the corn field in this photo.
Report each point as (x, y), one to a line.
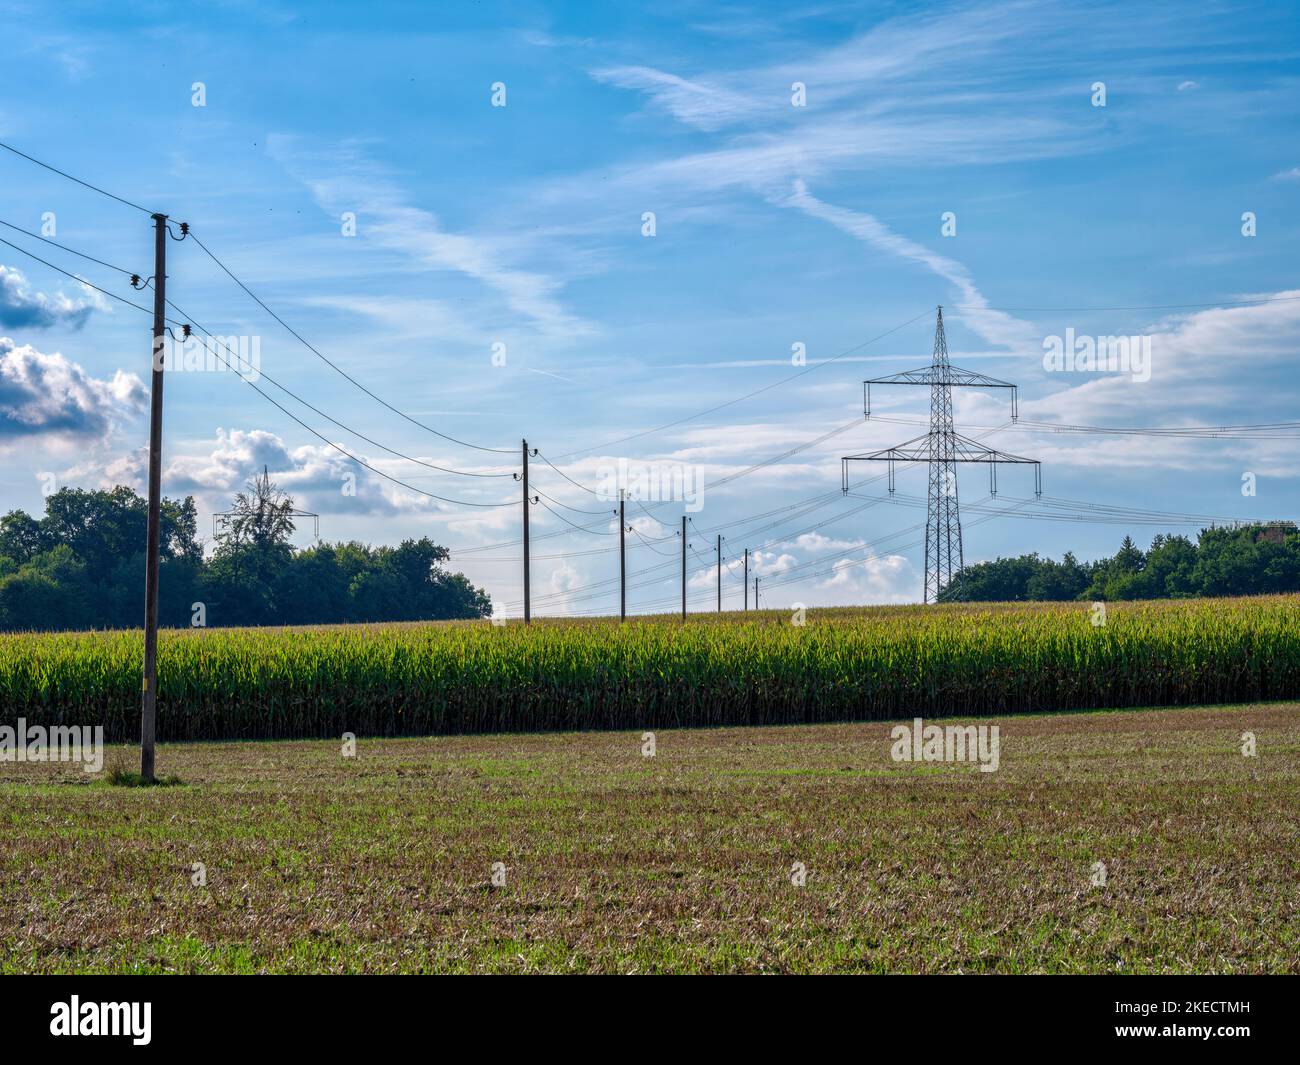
(758, 668)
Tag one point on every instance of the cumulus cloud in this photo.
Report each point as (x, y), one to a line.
(22, 307)
(48, 395)
(817, 570)
(319, 478)
(888, 579)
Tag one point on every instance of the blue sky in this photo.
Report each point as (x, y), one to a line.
(775, 225)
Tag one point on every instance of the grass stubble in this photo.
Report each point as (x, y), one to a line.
(678, 863)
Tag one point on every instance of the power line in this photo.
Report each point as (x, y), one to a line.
(802, 507)
(714, 485)
(1095, 512)
(650, 543)
(942, 448)
(700, 596)
(70, 251)
(731, 477)
(579, 528)
(1147, 307)
(596, 587)
(747, 395)
(65, 174)
(252, 385)
(566, 506)
(576, 484)
(338, 369)
(348, 429)
(1110, 515)
(813, 503)
(1192, 432)
(646, 511)
(805, 505)
(74, 277)
(343, 451)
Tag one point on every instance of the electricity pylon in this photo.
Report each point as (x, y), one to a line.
(941, 449)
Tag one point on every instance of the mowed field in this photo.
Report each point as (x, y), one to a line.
(681, 862)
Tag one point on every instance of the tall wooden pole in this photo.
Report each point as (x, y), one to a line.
(683, 567)
(528, 598)
(622, 561)
(149, 698)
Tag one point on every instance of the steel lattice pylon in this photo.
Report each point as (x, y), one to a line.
(943, 556)
(941, 449)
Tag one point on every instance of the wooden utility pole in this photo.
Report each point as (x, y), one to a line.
(745, 580)
(683, 567)
(528, 600)
(719, 574)
(149, 700)
(622, 560)
(755, 593)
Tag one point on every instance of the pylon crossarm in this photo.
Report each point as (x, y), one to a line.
(944, 374)
(923, 454)
(929, 375)
(966, 450)
(914, 450)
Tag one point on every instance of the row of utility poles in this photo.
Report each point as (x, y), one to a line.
(149, 690)
(623, 529)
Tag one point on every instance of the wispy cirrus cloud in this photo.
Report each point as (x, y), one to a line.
(344, 179)
(996, 327)
(697, 103)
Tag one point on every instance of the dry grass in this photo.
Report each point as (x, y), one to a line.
(619, 863)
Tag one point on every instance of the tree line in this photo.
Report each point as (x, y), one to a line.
(81, 566)
(1247, 560)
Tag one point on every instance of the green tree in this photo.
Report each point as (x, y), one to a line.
(251, 558)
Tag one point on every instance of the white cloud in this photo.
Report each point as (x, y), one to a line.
(318, 477)
(345, 180)
(890, 579)
(21, 307)
(51, 397)
(696, 103)
(995, 327)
